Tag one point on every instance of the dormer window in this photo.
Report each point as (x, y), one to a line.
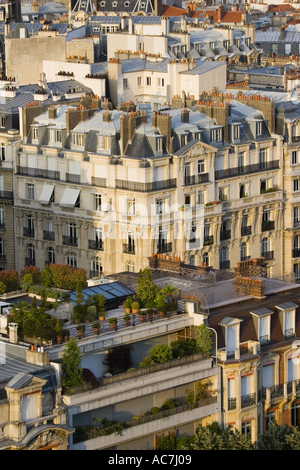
(35, 134)
(262, 323)
(231, 331)
(287, 314)
(236, 132)
(104, 142)
(216, 135)
(78, 139)
(159, 144)
(54, 135)
(259, 128)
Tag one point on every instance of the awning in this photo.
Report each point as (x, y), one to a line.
(46, 194)
(70, 197)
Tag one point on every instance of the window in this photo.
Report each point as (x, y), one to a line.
(2, 252)
(287, 49)
(71, 259)
(54, 135)
(104, 142)
(296, 270)
(244, 251)
(3, 151)
(236, 132)
(258, 128)
(139, 81)
(201, 166)
(296, 185)
(30, 191)
(205, 259)
(216, 135)
(96, 266)
(72, 231)
(97, 233)
(160, 82)
(148, 81)
(78, 139)
(246, 427)
(241, 160)
(35, 133)
(161, 206)
(131, 206)
(50, 255)
(294, 157)
(1, 215)
(223, 194)
(201, 197)
(296, 213)
(125, 82)
(2, 121)
(98, 202)
(159, 144)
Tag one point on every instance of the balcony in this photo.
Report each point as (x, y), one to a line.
(245, 258)
(29, 261)
(268, 255)
(296, 253)
(71, 241)
(98, 181)
(38, 173)
(225, 235)
(28, 232)
(267, 225)
(246, 169)
(96, 245)
(48, 235)
(95, 274)
(248, 400)
(71, 178)
(296, 138)
(246, 230)
(164, 247)
(208, 240)
(231, 404)
(7, 195)
(128, 248)
(145, 187)
(196, 179)
(225, 264)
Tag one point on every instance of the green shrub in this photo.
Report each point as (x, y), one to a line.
(146, 362)
(46, 277)
(28, 279)
(169, 404)
(183, 348)
(92, 311)
(161, 353)
(135, 306)
(128, 302)
(2, 288)
(154, 410)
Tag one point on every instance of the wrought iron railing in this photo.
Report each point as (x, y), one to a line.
(246, 230)
(71, 178)
(225, 235)
(225, 264)
(48, 235)
(268, 255)
(248, 400)
(164, 247)
(196, 179)
(128, 248)
(267, 225)
(145, 187)
(241, 170)
(38, 172)
(72, 241)
(28, 232)
(96, 245)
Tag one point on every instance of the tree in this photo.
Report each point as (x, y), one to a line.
(79, 299)
(161, 353)
(146, 289)
(279, 437)
(202, 391)
(169, 291)
(71, 365)
(182, 348)
(118, 359)
(212, 437)
(203, 339)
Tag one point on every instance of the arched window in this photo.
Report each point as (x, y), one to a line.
(205, 258)
(50, 255)
(224, 258)
(130, 266)
(192, 260)
(96, 267)
(30, 255)
(71, 259)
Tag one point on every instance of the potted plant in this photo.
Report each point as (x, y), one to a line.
(88, 318)
(135, 307)
(80, 330)
(66, 335)
(101, 314)
(77, 317)
(96, 327)
(126, 319)
(112, 322)
(58, 331)
(160, 306)
(127, 304)
(142, 315)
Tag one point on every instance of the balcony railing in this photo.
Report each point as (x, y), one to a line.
(95, 274)
(208, 240)
(264, 339)
(99, 181)
(267, 225)
(128, 248)
(296, 253)
(241, 170)
(164, 247)
(71, 178)
(245, 258)
(145, 187)
(196, 179)
(225, 235)
(29, 261)
(247, 400)
(289, 333)
(268, 255)
(231, 403)
(296, 138)
(8, 195)
(72, 241)
(96, 245)
(2, 257)
(28, 232)
(48, 235)
(246, 230)
(2, 226)
(225, 264)
(38, 172)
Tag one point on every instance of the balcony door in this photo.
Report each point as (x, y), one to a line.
(268, 375)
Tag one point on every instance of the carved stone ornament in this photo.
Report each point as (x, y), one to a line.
(48, 438)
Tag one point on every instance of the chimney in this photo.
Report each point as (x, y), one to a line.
(106, 116)
(128, 125)
(163, 124)
(183, 98)
(185, 115)
(52, 112)
(13, 332)
(219, 13)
